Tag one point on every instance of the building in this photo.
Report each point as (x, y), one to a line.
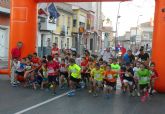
(125, 40)
(147, 34)
(92, 35)
(4, 28)
(141, 35)
(79, 27)
(135, 39)
(107, 36)
(45, 35)
(64, 24)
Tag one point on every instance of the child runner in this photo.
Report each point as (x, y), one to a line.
(97, 74)
(63, 73)
(109, 81)
(28, 69)
(115, 67)
(84, 75)
(74, 72)
(43, 73)
(20, 69)
(35, 60)
(144, 80)
(154, 76)
(91, 66)
(110, 61)
(128, 79)
(136, 69)
(52, 69)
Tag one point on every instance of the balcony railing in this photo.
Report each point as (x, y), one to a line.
(47, 24)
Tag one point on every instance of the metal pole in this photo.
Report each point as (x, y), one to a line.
(116, 35)
(137, 28)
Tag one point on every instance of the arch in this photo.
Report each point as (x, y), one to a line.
(23, 27)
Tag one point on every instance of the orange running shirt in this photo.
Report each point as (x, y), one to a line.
(110, 76)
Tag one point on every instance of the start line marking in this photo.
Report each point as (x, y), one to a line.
(40, 104)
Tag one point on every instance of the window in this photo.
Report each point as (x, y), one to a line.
(56, 40)
(57, 21)
(63, 20)
(91, 44)
(67, 43)
(74, 23)
(69, 21)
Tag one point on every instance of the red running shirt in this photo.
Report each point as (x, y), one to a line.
(55, 51)
(16, 53)
(52, 68)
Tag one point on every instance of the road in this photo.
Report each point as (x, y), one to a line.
(16, 99)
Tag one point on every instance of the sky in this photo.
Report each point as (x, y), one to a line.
(129, 12)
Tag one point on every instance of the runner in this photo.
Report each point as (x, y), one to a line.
(128, 79)
(154, 77)
(109, 81)
(144, 81)
(97, 80)
(74, 72)
(53, 71)
(115, 67)
(63, 74)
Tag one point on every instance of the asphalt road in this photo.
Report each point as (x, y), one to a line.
(15, 99)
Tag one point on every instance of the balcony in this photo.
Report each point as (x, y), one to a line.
(47, 24)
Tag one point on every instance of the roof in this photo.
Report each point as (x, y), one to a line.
(65, 7)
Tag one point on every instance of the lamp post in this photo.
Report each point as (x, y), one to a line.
(117, 19)
(137, 27)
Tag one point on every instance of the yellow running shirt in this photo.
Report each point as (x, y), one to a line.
(97, 74)
(75, 71)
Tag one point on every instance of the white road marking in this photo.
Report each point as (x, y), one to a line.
(40, 104)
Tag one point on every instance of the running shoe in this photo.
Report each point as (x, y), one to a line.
(95, 94)
(14, 85)
(54, 93)
(90, 91)
(71, 93)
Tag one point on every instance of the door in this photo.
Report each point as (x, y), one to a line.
(3, 46)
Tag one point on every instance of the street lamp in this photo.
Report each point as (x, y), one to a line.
(117, 19)
(137, 27)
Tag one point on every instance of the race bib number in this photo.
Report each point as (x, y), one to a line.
(36, 64)
(127, 75)
(110, 76)
(50, 70)
(73, 70)
(44, 73)
(28, 67)
(145, 78)
(54, 52)
(97, 75)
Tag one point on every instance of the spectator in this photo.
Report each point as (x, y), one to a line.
(55, 50)
(107, 54)
(144, 57)
(15, 56)
(16, 52)
(128, 57)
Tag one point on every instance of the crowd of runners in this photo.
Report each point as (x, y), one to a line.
(98, 74)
